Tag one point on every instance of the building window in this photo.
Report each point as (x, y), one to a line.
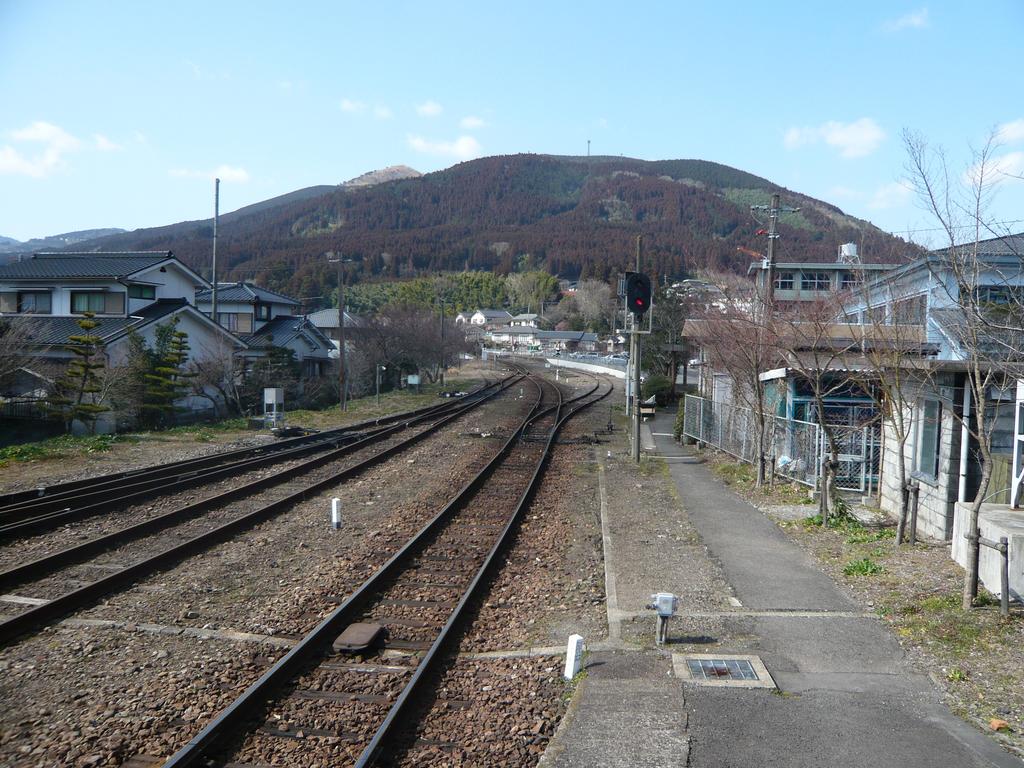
(34, 302)
(88, 302)
(928, 430)
(851, 280)
(141, 292)
(784, 281)
(909, 311)
(228, 320)
(815, 281)
(262, 311)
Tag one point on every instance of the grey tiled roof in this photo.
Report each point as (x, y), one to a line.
(1009, 245)
(328, 318)
(244, 292)
(86, 265)
(284, 329)
(47, 330)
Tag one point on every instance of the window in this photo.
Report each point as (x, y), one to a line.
(262, 311)
(784, 281)
(815, 281)
(141, 292)
(228, 320)
(850, 280)
(928, 428)
(88, 302)
(34, 302)
(909, 311)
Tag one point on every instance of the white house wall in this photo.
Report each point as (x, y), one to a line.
(936, 497)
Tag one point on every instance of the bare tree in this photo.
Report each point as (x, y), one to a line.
(14, 355)
(742, 345)
(989, 341)
(218, 368)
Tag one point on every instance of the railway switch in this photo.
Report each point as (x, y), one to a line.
(666, 604)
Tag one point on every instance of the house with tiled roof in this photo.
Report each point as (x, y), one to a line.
(264, 318)
(125, 290)
(130, 292)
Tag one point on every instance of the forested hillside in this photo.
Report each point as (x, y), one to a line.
(574, 216)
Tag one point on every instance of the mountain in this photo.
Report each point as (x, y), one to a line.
(576, 216)
(55, 242)
(391, 173)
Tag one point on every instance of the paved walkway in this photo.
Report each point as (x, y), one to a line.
(848, 695)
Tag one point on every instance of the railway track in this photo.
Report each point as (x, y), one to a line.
(30, 512)
(400, 622)
(197, 526)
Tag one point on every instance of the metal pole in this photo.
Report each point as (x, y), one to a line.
(634, 358)
(1004, 576)
(342, 383)
(213, 270)
(378, 386)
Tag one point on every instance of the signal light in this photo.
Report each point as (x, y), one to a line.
(638, 293)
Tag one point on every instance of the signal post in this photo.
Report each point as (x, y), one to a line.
(638, 302)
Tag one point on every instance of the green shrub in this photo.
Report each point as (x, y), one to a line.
(659, 386)
(677, 428)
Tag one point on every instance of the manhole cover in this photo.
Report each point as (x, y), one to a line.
(722, 670)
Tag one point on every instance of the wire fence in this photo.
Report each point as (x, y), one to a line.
(795, 448)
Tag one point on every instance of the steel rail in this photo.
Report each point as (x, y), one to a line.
(313, 645)
(41, 615)
(16, 499)
(61, 514)
(51, 563)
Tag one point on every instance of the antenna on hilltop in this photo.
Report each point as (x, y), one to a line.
(588, 147)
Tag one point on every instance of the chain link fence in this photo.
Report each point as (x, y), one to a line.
(794, 447)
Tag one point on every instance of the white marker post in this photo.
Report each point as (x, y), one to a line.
(336, 514)
(573, 656)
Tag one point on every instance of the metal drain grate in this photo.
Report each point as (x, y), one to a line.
(721, 669)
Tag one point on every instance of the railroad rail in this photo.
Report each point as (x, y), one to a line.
(420, 596)
(60, 505)
(43, 614)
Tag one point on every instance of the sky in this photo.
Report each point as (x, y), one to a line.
(120, 114)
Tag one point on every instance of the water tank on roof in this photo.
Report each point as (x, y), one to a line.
(848, 253)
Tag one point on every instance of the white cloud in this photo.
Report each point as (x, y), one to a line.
(222, 172)
(463, 148)
(352, 107)
(471, 123)
(382, 112)
(57, 142)
(1011, 132)
(103, 144)
(857, 139)
(429, 109)
(892, 195)
(914, 20)
(1010, 164)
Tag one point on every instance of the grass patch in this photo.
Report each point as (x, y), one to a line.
(866, 535)
(61, 446)
(863, 567)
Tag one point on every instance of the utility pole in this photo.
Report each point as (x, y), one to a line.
(213, 271)
(768, 265)
(634, 359)
(442, 342)
(342, 393)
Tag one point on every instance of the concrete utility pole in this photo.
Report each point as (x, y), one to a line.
(634, 359)
(213, 270)
(768, 267)
(342, 393)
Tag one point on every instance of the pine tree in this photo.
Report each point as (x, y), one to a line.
(73, 396)
(167, 379)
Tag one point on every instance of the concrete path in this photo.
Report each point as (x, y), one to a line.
(847, 699)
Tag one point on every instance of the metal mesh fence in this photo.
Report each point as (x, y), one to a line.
(794, 447)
